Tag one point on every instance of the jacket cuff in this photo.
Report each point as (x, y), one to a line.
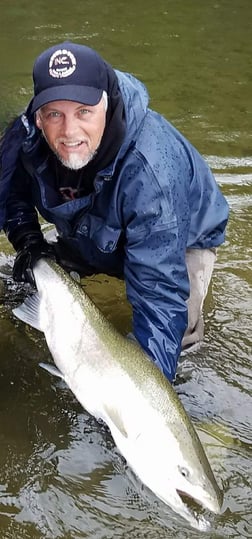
(25, 234)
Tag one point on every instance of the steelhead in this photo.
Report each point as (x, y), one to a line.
(113, 379)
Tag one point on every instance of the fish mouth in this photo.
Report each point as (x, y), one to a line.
(211, 503)
(187, 500)
(192, 509)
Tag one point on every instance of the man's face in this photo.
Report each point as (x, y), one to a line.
(72, 130)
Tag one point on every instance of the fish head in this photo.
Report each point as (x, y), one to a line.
(194, 479)
(177, 472)
(185, 465)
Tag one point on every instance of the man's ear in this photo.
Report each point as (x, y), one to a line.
(38, 120)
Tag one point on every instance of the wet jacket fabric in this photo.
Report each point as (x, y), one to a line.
(155, 199)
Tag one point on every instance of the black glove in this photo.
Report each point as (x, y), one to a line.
(33, 248)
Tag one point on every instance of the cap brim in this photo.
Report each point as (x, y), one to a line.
(81, 94)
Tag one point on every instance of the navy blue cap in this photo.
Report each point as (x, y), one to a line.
(71, 72)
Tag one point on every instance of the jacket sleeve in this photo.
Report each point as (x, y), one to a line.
(156, 277)
(171, 201)
(21, 216)
(157, 290)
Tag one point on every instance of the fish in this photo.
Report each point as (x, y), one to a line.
(115, 380)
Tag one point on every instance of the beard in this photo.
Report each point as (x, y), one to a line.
(74, 162)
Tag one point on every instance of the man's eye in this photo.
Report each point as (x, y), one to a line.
(84, 111)
(53, 114)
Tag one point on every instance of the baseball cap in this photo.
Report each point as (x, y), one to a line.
(68, 71)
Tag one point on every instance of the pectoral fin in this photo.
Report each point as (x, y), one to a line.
(52, 370)
(28, 311)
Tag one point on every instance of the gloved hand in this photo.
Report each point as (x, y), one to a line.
(32, 249)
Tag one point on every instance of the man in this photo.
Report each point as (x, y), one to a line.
(128, 194)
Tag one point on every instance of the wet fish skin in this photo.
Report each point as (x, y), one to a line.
(114, 380)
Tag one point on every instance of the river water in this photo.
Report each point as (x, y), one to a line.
(60, 474)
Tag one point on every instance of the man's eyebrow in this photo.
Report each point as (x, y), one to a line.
(85, 105)
(49, 106)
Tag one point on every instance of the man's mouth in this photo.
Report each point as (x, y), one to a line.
(75, 144)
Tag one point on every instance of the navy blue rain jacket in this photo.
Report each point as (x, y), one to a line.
(156, 199)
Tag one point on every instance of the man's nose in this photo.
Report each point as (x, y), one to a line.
(70, 126)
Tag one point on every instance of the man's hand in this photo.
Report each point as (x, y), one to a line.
(32, 250)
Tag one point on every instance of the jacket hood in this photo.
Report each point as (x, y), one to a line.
(136, 100)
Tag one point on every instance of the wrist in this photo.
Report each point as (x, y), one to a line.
(23, 238)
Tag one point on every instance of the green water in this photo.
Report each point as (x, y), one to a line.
(60, 475)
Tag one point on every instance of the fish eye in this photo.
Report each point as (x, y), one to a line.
(184, 471)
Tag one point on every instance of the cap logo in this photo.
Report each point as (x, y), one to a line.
(62, 64)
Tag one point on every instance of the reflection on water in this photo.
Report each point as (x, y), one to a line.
(60, 475)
